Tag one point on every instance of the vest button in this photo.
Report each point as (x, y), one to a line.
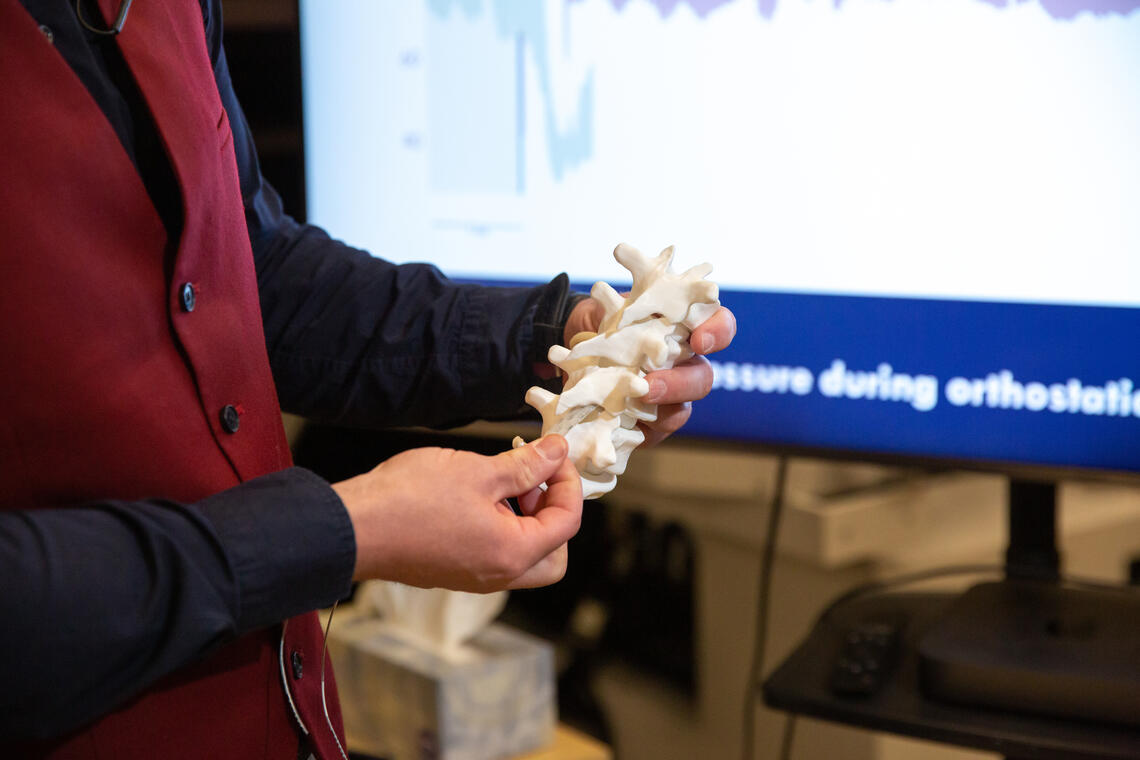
(298, 665)
(189, 297)
(231, 420)
(48, 34)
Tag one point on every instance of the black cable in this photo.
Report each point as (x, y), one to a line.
(789, 737)
(763, 594)
(874, 587)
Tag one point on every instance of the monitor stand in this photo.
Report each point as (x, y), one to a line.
(1032, 644)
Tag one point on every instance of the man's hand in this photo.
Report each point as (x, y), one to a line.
(673, 390)
(438, 517)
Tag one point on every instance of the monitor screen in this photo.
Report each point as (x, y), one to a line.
(924, 213)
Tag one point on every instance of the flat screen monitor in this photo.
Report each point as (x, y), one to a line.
(924, 213)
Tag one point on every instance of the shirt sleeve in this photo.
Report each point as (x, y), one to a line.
(101, 600)
(357, 340)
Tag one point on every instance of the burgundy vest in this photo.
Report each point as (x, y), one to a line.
(110, 388)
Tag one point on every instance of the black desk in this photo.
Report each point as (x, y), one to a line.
(801, 685)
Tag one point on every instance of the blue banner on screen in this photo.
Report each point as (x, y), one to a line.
(1048, 385)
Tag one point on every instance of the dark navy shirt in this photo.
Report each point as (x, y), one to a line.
(351, 339)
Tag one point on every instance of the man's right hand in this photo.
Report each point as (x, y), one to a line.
(438, 517)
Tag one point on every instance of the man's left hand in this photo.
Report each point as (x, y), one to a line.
(673, 390)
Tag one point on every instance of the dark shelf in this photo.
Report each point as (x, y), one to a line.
(802, 685)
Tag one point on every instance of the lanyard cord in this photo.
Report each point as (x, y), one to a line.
(115, 28)
(324, 704)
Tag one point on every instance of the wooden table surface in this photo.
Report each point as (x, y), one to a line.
(571, 744)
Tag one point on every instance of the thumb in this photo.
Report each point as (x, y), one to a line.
(520, 470)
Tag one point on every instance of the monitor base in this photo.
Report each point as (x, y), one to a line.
(1037, 647)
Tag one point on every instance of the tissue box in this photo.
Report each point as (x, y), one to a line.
(403, 702)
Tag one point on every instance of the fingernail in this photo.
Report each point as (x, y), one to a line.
(656, 391)
(704, 344)
(552, 446)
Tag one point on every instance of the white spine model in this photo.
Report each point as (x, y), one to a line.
(598, 411)
(599, 407)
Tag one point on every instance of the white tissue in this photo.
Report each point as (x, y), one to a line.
(435, 619)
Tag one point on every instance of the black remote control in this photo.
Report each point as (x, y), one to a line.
(865, 659)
